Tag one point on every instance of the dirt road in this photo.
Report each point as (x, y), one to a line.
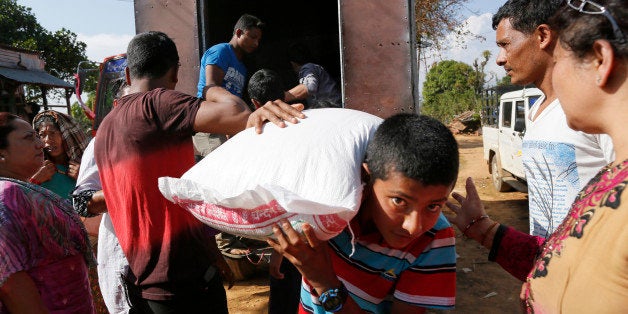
(482, 287)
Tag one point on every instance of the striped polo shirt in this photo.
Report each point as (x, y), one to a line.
(422, 274)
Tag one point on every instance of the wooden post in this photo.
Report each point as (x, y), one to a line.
(68, 94)
(43, 97)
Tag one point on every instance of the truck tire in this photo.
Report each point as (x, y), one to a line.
(496, 175)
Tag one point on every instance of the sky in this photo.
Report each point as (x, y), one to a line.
(478, 16)
(106, 26)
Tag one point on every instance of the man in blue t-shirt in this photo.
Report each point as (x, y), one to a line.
(222, 78)
(223, 74)
(222, 70)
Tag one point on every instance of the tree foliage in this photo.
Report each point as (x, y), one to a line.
(79, 115)
(60, 49)
(18, 24)
(450, 89)
(504, 81)
(437, 18)
(479, 66)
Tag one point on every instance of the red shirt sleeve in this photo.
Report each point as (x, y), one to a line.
(515, 251)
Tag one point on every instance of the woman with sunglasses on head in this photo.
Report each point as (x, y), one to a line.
(44, 250)
(583, 266)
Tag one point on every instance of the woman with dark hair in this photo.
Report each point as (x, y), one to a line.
(45, 250)
(64, 143)
(583, 266)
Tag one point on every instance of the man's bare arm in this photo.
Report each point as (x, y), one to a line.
(222, 117)
(213, 90)
(97, 204)
(297, 92)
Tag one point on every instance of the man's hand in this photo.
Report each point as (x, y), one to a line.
(276, 112)
(308, 254)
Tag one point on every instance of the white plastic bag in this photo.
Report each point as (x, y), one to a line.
(306, 172)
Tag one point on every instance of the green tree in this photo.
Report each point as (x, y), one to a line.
(62, 52)
(60, 49)
(79, 115)
(18, 24)
(479, 66)
(449, 89)
(504, 81)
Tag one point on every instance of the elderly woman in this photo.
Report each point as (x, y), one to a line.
(45, 250)
(583, 266)
(64, 143)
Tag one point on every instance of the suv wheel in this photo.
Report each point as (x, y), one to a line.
(496, 175)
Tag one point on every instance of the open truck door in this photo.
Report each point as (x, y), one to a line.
(111, 78)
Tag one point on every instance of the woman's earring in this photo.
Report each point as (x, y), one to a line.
(598, 80)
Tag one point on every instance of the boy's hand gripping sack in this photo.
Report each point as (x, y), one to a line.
(307, 172)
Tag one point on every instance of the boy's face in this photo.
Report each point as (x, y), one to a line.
(403, 209)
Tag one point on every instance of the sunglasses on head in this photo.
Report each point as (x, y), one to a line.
(590, 7)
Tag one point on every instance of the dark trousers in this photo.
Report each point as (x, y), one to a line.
(211, 299)
(285, 293)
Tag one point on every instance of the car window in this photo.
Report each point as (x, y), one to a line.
(520, 116)
(532, 100)
(507, 114)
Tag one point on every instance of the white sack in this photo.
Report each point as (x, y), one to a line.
(306, 172)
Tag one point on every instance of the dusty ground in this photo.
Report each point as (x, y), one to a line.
(483, 287)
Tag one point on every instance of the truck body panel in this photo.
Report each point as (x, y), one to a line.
(369, 47)
(179, 20)
(377, 56)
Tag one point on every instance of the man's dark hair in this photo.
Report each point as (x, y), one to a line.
(246, 22)
(151, 55)
(526, 15)
(299, 54)
(265, 85)
(417, 146)
(33, 110)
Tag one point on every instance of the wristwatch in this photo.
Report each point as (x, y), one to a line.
(332, 300)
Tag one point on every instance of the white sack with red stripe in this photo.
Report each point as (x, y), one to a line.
(306, 172)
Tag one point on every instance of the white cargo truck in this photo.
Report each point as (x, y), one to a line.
(504, 124)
